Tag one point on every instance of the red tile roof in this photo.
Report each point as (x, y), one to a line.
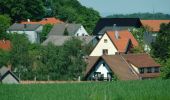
(123, 41)
(45, 21)
(141, 60)
(5, 44)
(50, 21)
(154, 24)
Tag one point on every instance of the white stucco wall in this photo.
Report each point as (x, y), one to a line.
(81, 32)
(98, 50)
(9, 79)
(100, 68)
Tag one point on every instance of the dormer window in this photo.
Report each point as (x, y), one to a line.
(105, 40)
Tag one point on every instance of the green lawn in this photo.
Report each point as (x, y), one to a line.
(120, 90)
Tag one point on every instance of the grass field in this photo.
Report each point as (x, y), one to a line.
(120, 90)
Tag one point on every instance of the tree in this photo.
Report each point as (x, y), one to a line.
(4, 57)
(46, 29)
(20, 59)
(165, 71)
(22, 9)
(5, 22)
(65, 32)
(161, 48)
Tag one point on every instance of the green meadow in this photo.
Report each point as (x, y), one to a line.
(119, 90)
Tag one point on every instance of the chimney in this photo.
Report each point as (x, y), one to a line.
(4, 40)
(28, 20)
(116, 34)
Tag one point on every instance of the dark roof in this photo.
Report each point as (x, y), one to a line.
(116, 64)
(120, 22)
(141, 60)
(58, 29)
(4, 71)
(23, 27)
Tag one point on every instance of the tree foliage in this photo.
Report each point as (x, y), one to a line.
(22, 9)
(141, 16)
(46, 29)
(161, 48)
(5, 22)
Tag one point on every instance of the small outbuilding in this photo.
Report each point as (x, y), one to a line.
(8, 77)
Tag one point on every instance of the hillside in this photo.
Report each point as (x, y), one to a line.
(68, 10)
(120, 90)
(141, 16)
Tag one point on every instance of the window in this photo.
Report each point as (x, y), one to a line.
(156, 70)
(105, 51)
(141, 70)
(149, 70)
(105, 40)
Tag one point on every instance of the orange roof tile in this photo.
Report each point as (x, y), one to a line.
(45, 21)
(29, 22)
(5, 44)
(154, 24)
(50, 21)
(122, 42)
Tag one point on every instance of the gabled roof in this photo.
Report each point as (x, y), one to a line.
(5, 44)
(23, 27)
(120, 22)
(4, 71)
(154, 24)
(123, 41)
(116, 64)
(59, 40)
(44, 21)
(58, 29)
(141, 60)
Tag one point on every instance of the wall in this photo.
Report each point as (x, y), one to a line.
(98, 50)
(100, 68)
(81, 32)
(32, 35)
(9, 79)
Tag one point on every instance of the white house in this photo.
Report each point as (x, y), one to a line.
(31, 30)
(108, 67)
(7, 77)
(122, 66)
(113, 42)
(71, 29)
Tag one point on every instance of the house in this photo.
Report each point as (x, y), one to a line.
(108, 67)
(143, 65)
(44, 21)
(8, 77)
(59, 40)
(150, 35)
(113, 42)
(5, 44)
(124, 23)
(31, 30)
(68, 29)
(122, 67)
